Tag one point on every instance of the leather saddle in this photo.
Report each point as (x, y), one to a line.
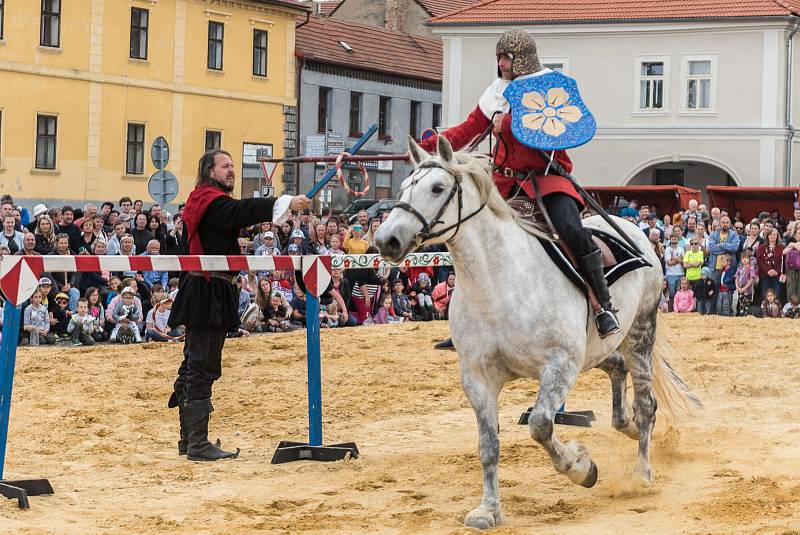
(618, 257)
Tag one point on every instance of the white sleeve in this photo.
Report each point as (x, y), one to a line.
(492, 100)
(281, 212)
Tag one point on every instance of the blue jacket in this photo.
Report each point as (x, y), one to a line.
(153, 277)
(715, 248)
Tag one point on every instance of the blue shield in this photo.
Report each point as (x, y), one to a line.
(547, 112)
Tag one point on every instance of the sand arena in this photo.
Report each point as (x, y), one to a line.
(94, 421)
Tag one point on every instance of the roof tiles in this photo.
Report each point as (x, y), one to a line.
(550, 11)
(373, 49)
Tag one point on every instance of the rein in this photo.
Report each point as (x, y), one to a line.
(425, 233)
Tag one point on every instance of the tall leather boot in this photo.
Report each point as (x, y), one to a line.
(445, 344)
(198, 448)
(176, 401)
(592, 267)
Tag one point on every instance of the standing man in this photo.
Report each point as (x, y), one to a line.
(207, 303)
(514, 161)
(722, 244)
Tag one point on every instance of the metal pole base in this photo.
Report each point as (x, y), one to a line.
(20, 490)
(575, 418)
(300, 451)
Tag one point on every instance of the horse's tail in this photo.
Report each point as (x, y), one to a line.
(671, 391)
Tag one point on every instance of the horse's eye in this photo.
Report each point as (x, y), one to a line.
(437, 189)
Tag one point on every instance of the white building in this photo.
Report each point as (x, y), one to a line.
(684, 92)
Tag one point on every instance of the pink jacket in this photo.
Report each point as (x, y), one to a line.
(684, 301)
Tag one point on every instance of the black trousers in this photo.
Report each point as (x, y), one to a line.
(566, 217)
(202, 362)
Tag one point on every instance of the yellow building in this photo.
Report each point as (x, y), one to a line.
(87, 85)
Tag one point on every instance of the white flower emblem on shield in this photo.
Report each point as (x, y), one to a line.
(550, 115)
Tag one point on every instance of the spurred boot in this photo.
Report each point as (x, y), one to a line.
(591, 265)
(198, 448)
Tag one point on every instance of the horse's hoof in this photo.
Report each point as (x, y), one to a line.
(480, 518)
(591, 477)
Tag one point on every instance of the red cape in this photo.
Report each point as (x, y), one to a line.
(193, 212)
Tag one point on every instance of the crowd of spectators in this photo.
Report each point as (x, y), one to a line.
(134, 306)
(716, 262)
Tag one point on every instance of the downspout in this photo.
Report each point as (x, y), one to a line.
(789, 88)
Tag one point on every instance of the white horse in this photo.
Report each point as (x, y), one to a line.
(514, 314)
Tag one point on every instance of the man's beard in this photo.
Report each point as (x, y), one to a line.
(224, 186)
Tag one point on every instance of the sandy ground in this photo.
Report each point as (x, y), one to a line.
(94, 421)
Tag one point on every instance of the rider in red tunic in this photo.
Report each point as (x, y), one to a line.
(514, 161)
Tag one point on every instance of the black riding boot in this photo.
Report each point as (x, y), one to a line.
(445, 344)
(592, 267)
(198, 448)
(176, 401)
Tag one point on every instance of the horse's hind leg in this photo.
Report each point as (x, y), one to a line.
(617, 371)
(639, 352)
(571, 459)
(482, 392)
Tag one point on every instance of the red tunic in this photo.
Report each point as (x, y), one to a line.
(510, 153)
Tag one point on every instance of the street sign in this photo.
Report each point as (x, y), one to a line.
(163, 187)
(315, 145)
(159, 152)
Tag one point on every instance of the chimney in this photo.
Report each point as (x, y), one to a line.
(395, 15)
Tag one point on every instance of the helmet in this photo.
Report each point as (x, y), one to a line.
(521, 47)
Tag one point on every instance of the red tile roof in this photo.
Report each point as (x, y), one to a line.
(550, 11)
(294, 4)
(328, 7)
(437, 8)
(373, 49)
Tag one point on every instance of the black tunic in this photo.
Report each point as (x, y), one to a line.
(215, 302)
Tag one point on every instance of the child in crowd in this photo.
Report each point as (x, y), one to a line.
(421, 298)
(96, 310)
(83, 325)
(792, 308)
(706, 293)
(386, 313)
(771, 307)
(36, 322)
(726, 287)
(663, 303)
(282, 283)
(330, 317)
(157, 328)
(400, 301)
(684, 298)
(61, 314)
(746, 281)
(298, 304)
(126, 315)
(276, 315)
(173, 284)
(114, 287)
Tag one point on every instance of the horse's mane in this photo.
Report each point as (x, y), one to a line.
(479, 168)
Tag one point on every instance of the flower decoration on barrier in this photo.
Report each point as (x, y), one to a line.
(362, 261)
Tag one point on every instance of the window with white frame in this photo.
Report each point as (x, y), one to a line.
(652, 84)
(698, 83)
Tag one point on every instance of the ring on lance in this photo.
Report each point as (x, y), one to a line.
(344, 183)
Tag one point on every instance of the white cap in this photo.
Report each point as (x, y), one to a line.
(127, 290)
(39, 209)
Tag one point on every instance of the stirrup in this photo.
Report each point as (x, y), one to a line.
(607, 323)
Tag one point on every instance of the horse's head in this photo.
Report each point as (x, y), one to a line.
(435, 200)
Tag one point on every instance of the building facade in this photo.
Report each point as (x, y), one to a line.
(353, 76)
(90, 84)
(693, 98)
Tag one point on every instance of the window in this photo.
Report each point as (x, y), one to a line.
(140, 19)
(669, 177)
(413, 128)
(134, 162)
(50, 28)
(216, 31)
(259, 53)
(384, 112)
(213, 140)
(2, 11)
(324, 109)
(46, 142)
(558, 67)
(699, 75)
(651, 85)
(355, 113)
(558, 64)
(437, 116)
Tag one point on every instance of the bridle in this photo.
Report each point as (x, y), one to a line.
(425, 233)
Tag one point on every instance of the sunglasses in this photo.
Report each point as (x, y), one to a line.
(693, 243)
(61, 300)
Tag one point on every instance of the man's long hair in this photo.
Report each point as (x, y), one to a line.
(206, 165)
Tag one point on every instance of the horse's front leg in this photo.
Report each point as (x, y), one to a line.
(482, 392)
(571, 459)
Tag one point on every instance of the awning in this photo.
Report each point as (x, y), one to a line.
(751, 201)
(668, 199)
